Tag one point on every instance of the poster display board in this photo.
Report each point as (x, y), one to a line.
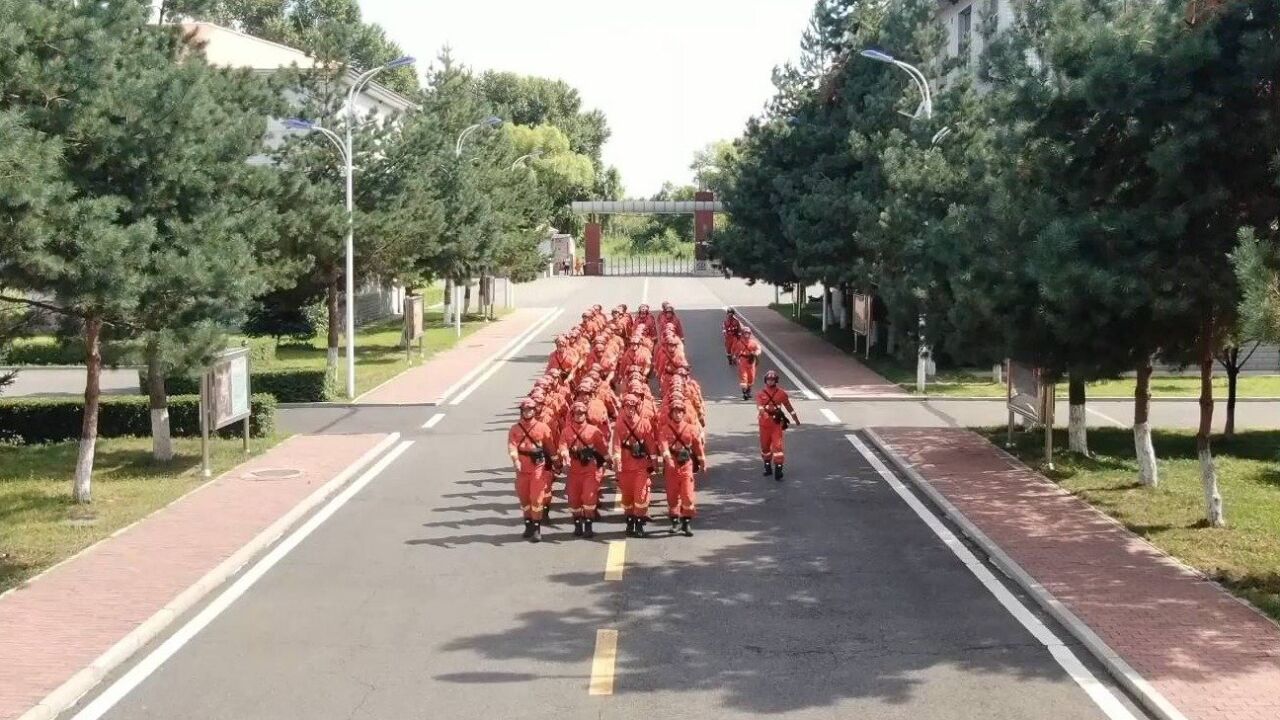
(224, 398)
(861, 321)
(1032, 397)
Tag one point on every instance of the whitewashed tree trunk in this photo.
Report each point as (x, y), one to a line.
(1213, 511)
(161, 442)
(1148, 473)
(81, 489)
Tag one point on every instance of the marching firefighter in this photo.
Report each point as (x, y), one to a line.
(680, 445)
(774, 404)
(747, 352)
(732, 329)
(634, 447)
(669, 317)
(584, 450)
(530, 447)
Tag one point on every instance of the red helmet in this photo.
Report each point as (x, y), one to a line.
(631, 400)
(578, 409)
(683, 372)
(676, 404)
(746, 331)
(643, 309)
(598, 308)
(771, 375)
(528, 404)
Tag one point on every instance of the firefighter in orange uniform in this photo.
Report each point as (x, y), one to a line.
(584, 450)
(771, 402)
(683, 454)
(669, 317)
(634, 447)
(732, 329)
(748, 353)
(647, 320)
(529, 444)
(564, 360)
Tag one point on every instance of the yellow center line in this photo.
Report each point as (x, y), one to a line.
(614, 562)
(603, 662)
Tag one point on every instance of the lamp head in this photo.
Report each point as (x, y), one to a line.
(879, 55)
(491, 121)
(299, 124)
(400, 62)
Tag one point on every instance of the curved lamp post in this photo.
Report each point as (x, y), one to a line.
(520, 160)
(348, 157)
(490, 122)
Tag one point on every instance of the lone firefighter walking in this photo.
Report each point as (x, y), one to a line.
(772, 401)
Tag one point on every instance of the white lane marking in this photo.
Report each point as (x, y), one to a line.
(1099, 693)
(435, 420)
(497, 365)
(152, 662)
(804, 389)
(830, 416)
(492, 358)
(644, 293)
(1108, 418)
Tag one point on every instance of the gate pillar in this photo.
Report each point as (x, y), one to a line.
(704, 223)
(591, 264)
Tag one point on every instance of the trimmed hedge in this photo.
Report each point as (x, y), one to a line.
(48, 350)
(41, 420)
(285, 385)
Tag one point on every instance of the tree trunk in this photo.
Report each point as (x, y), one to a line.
(1208, 473)
(448, 301)
(1078, 426)
(466, 300)
(161, 443)
(1148, 474)
(335, 329)
(1233, 377)
(81, 489)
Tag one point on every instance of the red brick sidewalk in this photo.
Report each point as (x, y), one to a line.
(1205, 652)
(63, 622)
(837, 375)
(428, 383)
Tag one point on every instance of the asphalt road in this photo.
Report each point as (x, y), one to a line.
(824, 596)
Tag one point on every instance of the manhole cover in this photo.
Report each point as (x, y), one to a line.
(278, 474)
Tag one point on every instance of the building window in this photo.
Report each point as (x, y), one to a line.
(992, 20)
(964, 33)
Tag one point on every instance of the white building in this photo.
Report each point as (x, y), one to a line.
(964, 21)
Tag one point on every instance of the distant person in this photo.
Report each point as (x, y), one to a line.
(732, 329)
(748, 353)
(772, 401)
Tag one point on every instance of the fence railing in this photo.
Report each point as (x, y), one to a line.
(647, 265)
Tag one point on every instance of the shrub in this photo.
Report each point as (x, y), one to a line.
(41, 420)
(285, 385)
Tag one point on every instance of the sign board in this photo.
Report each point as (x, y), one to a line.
(413, 323)
(862, 315)
(1029, 395)
(228, 382)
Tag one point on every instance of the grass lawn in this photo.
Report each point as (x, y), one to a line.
(380, 354)
(40, 526)
(1244, 556)
(961, 383)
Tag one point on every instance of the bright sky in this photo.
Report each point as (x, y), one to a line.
(670, 75)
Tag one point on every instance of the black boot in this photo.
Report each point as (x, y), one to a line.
(631, 526)
(587, 532)
(684, 527)
(639, 531)
(536, 536)
(528, 529)
(730, 358)
(577, 527)
(768, 468)
(746, 393)
(777, 472)
(675, 525)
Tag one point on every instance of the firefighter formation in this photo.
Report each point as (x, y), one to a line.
(594, 409)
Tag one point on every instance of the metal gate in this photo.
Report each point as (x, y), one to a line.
(654, 265)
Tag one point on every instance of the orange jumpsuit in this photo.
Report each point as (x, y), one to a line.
(674, 319)
(769, 401)
(564, 361)
(681, 502)
(525, 439)
(732, 327)
(584, 477)
(633, 472)
(551, 418)
(650, 323)
(748, 353)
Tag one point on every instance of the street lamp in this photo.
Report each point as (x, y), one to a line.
(491, 121)
(347, 153)
(522, 158)
(926, 110)
(922, 84)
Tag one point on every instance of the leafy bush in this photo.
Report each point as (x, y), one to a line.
(50, 350)
(41, 420)
(285, 385)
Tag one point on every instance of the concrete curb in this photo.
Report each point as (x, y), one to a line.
(782, 354)
(1148, 696)
(70, 692)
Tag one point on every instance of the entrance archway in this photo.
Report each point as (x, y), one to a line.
(703, 207)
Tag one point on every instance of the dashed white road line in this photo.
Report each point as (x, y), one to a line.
(435, 420)
(1099, 693)
(830, 416)
(523, 335)
(102, 704)
(644, 293)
